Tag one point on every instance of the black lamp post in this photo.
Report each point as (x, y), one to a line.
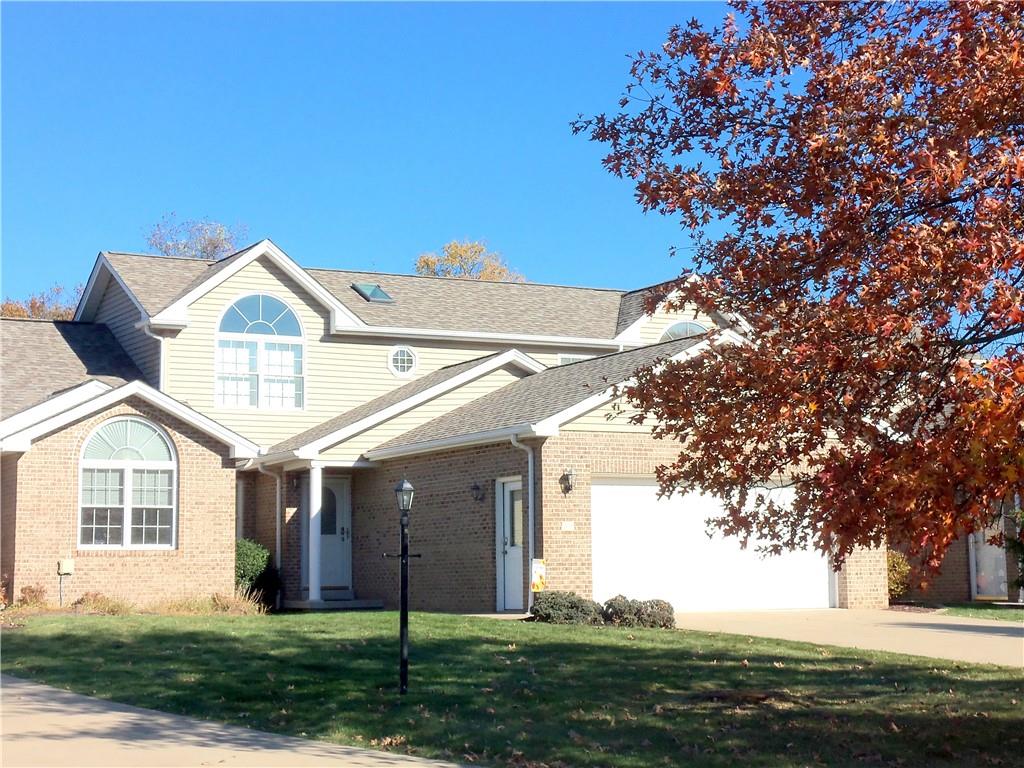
(404, 493)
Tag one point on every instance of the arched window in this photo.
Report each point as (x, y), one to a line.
(684, 330)
(128, 487)
(259, 355)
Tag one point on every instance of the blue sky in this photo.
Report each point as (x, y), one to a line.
(354, 136)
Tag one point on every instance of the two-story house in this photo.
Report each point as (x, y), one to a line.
(190, 403)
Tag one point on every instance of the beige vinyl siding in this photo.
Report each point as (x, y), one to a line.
(340, 373)
(605, 418)
(354, 447)
(120, 315)
(652, 330)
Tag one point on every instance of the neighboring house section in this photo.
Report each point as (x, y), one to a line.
(192, 402)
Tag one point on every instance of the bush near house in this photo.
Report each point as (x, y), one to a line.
(565, 608)
(570, 608)
(620, 611)
(251, 560)
(899, 574)
(33, 596)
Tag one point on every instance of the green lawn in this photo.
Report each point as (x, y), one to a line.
(984, 611)
(516, 694)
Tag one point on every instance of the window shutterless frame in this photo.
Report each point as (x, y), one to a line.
(259, 372)
(399, 357)
(127, 467)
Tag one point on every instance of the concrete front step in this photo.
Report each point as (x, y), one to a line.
(332, 605)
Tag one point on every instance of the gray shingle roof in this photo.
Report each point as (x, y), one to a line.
(157, 281)
(634, 304)
(373, 406)
(454, 304)
(42, 358)
(419, 302)
(540, 395)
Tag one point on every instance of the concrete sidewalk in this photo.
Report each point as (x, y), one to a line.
(44, 726)
(918, 633)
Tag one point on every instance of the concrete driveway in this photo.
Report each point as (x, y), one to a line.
(44, 726)
(917, 633)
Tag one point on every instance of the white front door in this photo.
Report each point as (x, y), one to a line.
(336, 534)
(510, 540)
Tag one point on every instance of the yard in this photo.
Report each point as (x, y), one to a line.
(515, 694)
(985, 611)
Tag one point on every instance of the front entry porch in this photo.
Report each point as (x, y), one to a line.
(325, 545)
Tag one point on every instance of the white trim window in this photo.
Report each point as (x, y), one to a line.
(687, 329)
(402, 361)
(260, 355)
(129, 487)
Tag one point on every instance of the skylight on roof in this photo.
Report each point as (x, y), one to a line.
(372, 292)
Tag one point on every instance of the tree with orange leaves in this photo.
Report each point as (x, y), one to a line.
(866, 161)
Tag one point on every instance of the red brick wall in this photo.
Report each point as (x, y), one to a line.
(863, 582)
(952, 584)
(46, 479)
(454, 533)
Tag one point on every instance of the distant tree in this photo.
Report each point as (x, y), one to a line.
(195, 238)
(57, 303)
(469, 259)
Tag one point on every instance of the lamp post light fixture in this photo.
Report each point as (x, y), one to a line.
(403, 494)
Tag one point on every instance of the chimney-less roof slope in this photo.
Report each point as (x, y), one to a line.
(42, 358)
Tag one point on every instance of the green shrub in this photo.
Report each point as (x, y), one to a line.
(620, 611)
(565, 608)
(251, 559)
(899, 574)
(657, 614)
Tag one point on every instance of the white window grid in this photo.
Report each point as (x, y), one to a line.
(402, 361)
(137, 483)
(253, 372)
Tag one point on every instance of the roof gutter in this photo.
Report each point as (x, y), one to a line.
(475, 438)
(431, 333)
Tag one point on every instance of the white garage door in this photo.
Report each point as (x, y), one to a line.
(645, 547)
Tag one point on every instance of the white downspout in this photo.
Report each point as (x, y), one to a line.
(160, 340)
(531, 497)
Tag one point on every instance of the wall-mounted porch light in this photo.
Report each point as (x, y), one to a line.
(568, 480)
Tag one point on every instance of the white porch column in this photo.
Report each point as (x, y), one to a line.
(316, 479)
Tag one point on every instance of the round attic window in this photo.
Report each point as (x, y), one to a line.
(402, 361)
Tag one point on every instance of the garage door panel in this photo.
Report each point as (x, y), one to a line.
(645, 547)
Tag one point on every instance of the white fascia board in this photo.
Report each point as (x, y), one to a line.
(514, 338)
(55, 405)
(241, 448)
(86, 305)
(458, 441)
(553, 423)
(510, 357)
(176, 315)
